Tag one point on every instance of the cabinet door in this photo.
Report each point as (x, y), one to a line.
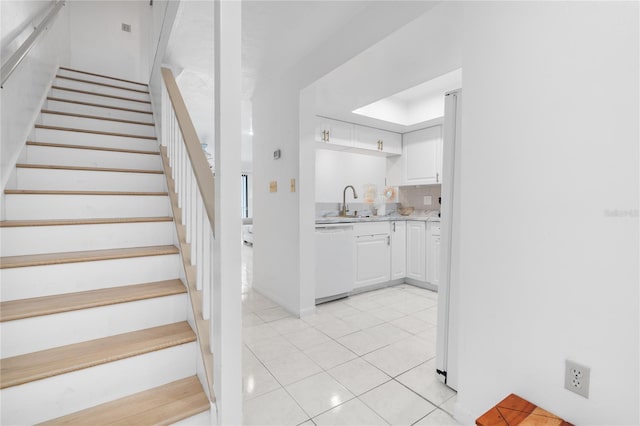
(422, 152)
(398, 250)
(391, 143)
(373, 263)
(339, 133)
(416, 260)
(378, 140)
(434, 260)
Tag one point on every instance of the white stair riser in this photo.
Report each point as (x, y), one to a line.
(96, 88)
(90, 158)
(202, 419)
(36, 281)
(67, 393)
(102, 100)
(66, 328)
(22, 240)
(91, 139)
(46, 206)
(105, 80)
(99, 111)
(95, 124)
(30, 178)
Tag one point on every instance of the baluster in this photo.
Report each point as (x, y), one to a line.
(199, 238)
(206, 273)
(187, 201)
(194, 223)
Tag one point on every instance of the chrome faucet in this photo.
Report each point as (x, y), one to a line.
(343, 210)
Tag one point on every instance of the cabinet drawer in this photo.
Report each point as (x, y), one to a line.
(370, 228)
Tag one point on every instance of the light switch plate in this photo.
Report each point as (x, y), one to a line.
(293, 185)
(273, 186)
(427, 200)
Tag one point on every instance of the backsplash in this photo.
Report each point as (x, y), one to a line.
(413, 196)
(333, 209)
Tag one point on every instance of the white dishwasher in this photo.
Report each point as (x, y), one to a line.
(334, 261)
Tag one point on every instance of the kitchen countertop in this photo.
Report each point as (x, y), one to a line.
(338, 219)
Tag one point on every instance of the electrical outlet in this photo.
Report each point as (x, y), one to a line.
(576, 378)
(427, 200)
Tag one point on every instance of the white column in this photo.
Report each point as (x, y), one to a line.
(226, 295)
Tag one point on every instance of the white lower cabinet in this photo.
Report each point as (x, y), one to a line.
(398, 250)
(433, 253)
(416, 259)
(372, 253)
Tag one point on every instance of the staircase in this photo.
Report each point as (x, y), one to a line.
(94, 317)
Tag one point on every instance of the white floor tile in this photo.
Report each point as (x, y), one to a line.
(401, 356)
(338, 309)
(388, 333)
(361, 342)
(362, 320)
(292, 368)
(272, 314)
(274, 408)
(256, 381)
(289, 325)
(411, 324)
(358, 376)
(318, 318)
(429, 334)
(351, 413)
(424, 381)
(362, 304)
(387, 314)
(330, 354)
(257, 332)
(250, 320)
(437, 418)
(336, 328)
(413, 304)
(450, 406)
(272, 347)
(429, 315)
(307, 338)
(319, 393)
(397, 404)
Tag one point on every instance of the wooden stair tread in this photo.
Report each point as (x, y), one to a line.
(93, 132)
(64, 192)
(86, 92)
(97, 83)
(86, 169)
(94, 148)
(95, 117)
(39, 365)
(70, 101)
(163, 405)
(103, 76)
(58, 222)
(84, 256)
(47, 305)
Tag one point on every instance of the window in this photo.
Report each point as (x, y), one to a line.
(245, 196)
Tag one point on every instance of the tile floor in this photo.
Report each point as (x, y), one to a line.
(365, 360)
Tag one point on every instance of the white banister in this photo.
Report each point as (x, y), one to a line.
(194, 188)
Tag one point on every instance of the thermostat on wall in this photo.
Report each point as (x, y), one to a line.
(276, 154)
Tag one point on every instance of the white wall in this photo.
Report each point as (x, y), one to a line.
(550, 131)
(98, 43)
(283, 221)
(337, 169)
(24, 91)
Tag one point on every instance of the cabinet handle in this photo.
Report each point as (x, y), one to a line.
(327, 136)
(437, 177)
(388, 240)
(381, 145)
(394, 227)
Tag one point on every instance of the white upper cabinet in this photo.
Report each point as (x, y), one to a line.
(334, 133)
(422, 154)
(382, 141)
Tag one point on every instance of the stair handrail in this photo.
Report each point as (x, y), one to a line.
(191, 185)
(16, 58)
(199, 162)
